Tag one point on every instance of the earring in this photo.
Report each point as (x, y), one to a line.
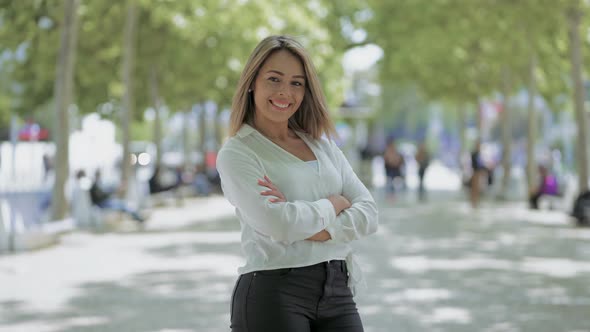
(249, 90)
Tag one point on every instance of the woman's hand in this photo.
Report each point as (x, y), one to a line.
(340, 203)
(321, 236)
(273, 190)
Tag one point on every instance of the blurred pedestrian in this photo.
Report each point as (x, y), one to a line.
(81, 204)
(394, 164)
(478, 174)
(296, 232)
(47, 165)
(547, 186)
(200, 182)
(155, 182)
(104, 199)
(423, 159)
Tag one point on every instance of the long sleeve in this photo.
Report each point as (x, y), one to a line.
(285, 222)
(361, 219)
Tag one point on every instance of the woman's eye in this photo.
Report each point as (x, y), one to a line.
(297, 83)
(273, 79)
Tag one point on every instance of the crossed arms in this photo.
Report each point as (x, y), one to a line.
(342, 217)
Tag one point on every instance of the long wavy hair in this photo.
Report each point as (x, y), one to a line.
(312, 117)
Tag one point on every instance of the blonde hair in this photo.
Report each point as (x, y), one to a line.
(312, 117)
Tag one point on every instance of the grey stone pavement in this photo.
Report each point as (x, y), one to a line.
(439, 266)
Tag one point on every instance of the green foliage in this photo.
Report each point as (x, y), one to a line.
(451, 50)
(456, 49)
(29, 33)
(141, 131)
(195, 50)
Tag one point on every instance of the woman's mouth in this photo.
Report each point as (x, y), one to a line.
(280, 105)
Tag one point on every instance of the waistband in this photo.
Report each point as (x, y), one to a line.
(337, 264)
(334, 264)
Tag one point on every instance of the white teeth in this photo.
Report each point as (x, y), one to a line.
(280, 105)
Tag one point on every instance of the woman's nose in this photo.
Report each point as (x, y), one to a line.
(284, 88)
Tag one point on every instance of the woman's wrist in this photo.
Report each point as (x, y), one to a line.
(320, 236)
(339, 202)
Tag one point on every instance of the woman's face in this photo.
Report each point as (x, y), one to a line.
(279, 87)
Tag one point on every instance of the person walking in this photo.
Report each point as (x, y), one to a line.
(479, 172)
(298, 200)
(394, 167)
(423, 159)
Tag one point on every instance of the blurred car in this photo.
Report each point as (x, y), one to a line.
(33, 132)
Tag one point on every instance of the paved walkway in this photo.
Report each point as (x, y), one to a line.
(436, 267)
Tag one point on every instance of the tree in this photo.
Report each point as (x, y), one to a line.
(63, 97)
(574, 16)
(462, 50)
(129, 47)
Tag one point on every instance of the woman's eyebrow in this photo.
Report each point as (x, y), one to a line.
(282, 74)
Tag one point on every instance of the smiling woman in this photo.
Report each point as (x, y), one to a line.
(278, 92)
(297, 198)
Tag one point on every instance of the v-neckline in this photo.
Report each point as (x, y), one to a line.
(305, 141)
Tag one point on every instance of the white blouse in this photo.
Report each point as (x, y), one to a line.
(273, 234)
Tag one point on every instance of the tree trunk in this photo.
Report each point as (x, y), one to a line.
(203, 135)
(186, 147)
(462, 133)
(129, 39)
(218, 129)
(157, 116)
(479, 120)
(62, 97)
(574, 16)
(531, 165)
(506, 133)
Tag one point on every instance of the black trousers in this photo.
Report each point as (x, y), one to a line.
(313, 298)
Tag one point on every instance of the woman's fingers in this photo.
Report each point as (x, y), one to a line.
(265, 179)
(274, 191)
(267, 184)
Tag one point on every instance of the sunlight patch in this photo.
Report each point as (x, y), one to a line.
(418, 295)
(370, 310)
(50, 326)
(449, 315)
(421, 264)
(555, 267)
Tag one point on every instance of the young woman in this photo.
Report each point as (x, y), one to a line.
(298, 200)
